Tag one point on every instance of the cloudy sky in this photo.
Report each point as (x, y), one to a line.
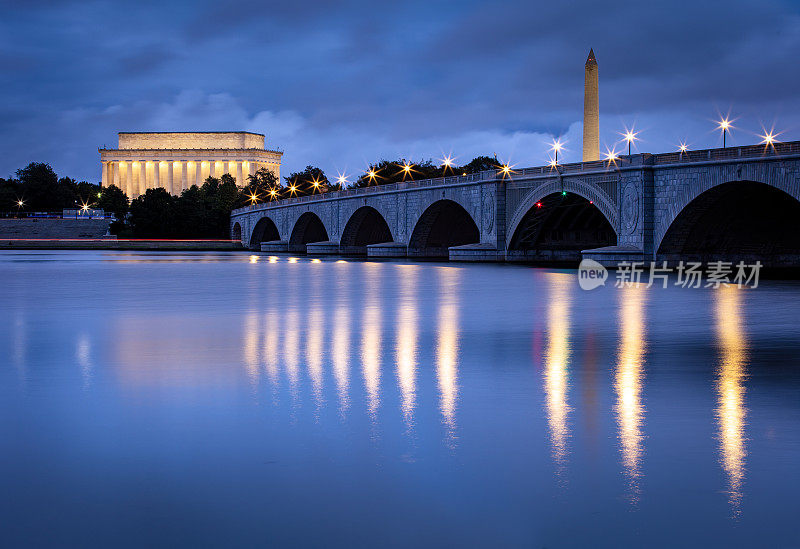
(339, 84)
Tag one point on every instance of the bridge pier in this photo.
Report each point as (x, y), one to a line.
(612, 256)
(481, 252)
(275, 246)
(327, 247)
(388, 250)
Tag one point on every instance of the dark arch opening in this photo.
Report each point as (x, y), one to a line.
(366, 226)
(557, 228)
(309, 228)
(264, 231)
(236, 232)
(444, 224)
(736, 221)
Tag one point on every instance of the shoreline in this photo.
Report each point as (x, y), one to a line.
(117, 244)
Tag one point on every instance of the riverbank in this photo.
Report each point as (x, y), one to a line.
(116, 244)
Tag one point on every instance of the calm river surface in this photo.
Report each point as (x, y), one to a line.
(233, 400)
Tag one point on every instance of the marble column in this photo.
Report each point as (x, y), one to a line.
(115, 176)
(238, 175)
(184, 175)
(104, 175)
(156, 174)
(128, 179)
(142, 176)
(170, 177)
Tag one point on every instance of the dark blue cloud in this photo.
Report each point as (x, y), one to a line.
(340, 83)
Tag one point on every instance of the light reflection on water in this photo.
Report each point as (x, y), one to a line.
(628, 382)
(557, 354)
(731, 411)
(393, 392)
(406, 344)
(371, 327)
(447, 336)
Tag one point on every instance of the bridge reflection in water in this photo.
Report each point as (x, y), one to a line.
(371, 329)
(628, 377)
(556, 371)
(447, 340)
(300, 337)
(406, 343)
(731, 412)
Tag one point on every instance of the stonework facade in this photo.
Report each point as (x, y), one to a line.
(177, 160)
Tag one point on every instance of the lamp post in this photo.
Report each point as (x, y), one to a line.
(724, 125)
(555, 147)
(630, 137)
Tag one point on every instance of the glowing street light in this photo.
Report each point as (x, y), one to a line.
(447, 162)
(253, 197)
(273, 193)
(725, 126)
(506, 170)
(292, 189)
(406, 168)
(556, 146)
(683, 148)
(769, 138)
(611, 156)
(372, 174)
(315, 184)
(630, 137)
(342, 180)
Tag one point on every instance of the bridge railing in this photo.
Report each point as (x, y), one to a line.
(747, 151)
(704, 155)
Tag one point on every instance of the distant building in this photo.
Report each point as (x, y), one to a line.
(177, 160)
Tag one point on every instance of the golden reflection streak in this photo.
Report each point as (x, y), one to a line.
(371, 331)
(447, 346)
(340, 333)
(271, 334)
(406, 345)
(291, 347)
(731, 412)
(250, 350)
(557, 353)
(314, 341)
(628, 383)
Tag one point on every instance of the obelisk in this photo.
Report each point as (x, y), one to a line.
(591, 111)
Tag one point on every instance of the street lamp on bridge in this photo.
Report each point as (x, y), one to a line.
(725, 126)
(555, 147)
(630, 137)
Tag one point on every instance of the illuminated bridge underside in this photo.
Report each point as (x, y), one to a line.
(735, 203)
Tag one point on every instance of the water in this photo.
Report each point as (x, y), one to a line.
(233, 400)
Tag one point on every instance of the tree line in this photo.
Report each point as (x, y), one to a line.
(204, 211)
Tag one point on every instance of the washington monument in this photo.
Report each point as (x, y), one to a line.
(591, 111)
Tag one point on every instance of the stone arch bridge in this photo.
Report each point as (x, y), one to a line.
(738, 202)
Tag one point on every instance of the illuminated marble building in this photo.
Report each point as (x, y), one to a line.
(178, 160)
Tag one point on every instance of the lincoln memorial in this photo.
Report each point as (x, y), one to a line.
(178, 160)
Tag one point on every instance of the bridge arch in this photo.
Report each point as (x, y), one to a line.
(736, 220)
(364, 227)
(265, 231)
(557, 227)
(236, 232)
(443, 224)
(592, 194)
(307, 229)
